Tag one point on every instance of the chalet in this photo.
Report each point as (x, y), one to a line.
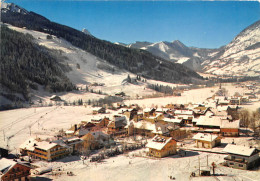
(201, 111)
(117, 125)
(156, 118)
(161, 110)
(100, 121)
(175, 106)
(175, 121)
(71, 143)
(148, 112)
(147, 128)
(230, 128)
(235, 101)
(97, 110)
(55, 98)
(44, 150)
(161, 146)
(206, 140)
(130, 113)
(185, 115)
(241, 157)
(12, 170)
(208, 122)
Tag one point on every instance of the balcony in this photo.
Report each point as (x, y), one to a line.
(239, 160)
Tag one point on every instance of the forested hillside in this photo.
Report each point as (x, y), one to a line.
(135, 61)
(25, 65)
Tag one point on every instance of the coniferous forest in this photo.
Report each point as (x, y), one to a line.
(25, 65)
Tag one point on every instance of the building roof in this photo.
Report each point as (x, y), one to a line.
(28, 144)
(230, 124)
(183, 112)
(172, 120)
(45, 145)
(7, 164)
(208, 121)
(158, 142)
(205, 137)
(96, 108)
(239, 150)
(147, 110)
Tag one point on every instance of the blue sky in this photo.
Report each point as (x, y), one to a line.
(201, 24)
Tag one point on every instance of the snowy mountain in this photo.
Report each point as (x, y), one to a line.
(177, 52)
(12, 7)
(240, 57)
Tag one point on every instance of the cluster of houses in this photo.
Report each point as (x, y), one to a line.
(208, 122)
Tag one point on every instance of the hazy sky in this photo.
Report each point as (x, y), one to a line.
(203, 24)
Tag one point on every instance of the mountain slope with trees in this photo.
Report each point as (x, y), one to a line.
(25, 65)
(133, 60)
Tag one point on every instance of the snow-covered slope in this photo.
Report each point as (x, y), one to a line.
(88, 69)
(240, 57)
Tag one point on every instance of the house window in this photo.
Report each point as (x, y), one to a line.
(231, 163)
(240, 165)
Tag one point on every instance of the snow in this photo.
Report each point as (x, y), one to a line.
(239, 150)
(205, 137)
(5, 163)
(44, 145)
(230, 124)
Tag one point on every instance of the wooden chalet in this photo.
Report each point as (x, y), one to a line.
(44, 150)
(230, 128)
(206, 140)
(97, 110)
(161, 146)
(241, 157)
(12, 170)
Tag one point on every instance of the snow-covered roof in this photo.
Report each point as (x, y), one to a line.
(158, 142)
(239, 150)
(208, 121)
(205, 137)
(69, 132)
(96, 108)
(28, 144)
(45, 145)
(230, 124)
(6, 164)
(147, 110)
(183, 112)
(222, 108)
(172, 120)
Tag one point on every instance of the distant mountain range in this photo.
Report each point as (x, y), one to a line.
(239, 57)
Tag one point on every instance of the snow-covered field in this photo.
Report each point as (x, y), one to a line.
(129, 168)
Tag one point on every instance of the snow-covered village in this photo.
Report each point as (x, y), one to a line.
(112, 91)
(217, 137)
